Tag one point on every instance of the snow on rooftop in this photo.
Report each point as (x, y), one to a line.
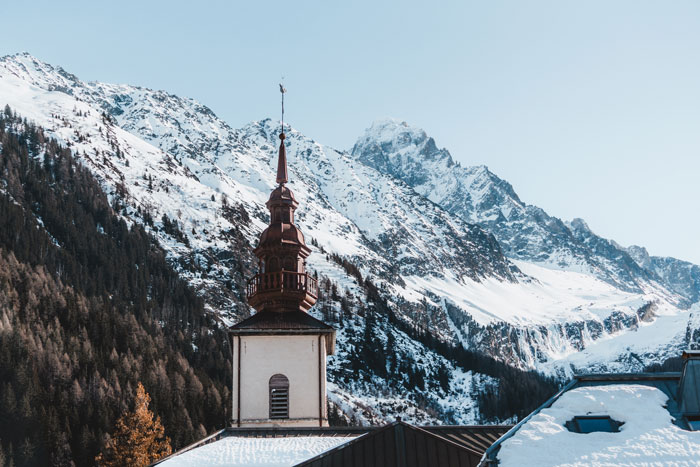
(257, 452)
(647, 438)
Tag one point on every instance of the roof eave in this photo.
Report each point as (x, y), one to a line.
(330, 343)
(660, 376)
(277, 332)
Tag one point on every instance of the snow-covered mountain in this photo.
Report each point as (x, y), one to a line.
(524, 231)
(452, 250)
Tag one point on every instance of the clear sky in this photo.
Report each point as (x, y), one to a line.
(589, 108)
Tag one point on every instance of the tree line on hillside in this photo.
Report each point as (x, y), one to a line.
(89, 307)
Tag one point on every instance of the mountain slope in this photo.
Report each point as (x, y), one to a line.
(681, 276)
(393, 222)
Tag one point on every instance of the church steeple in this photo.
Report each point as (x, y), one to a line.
(282, 283)
(279, 353)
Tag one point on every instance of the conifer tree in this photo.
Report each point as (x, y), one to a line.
(138, 440)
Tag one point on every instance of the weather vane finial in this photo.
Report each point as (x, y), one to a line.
(283, 90)
(282, 159)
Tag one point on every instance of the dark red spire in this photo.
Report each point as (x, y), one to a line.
(282, 163)
(282, 283)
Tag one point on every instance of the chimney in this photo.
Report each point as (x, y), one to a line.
(689, 389)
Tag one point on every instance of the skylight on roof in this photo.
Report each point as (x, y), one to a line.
(593, 423)
(693, 422)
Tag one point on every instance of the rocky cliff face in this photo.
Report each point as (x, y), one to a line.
(680, 276)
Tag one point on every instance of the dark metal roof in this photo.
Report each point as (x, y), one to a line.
(478, 437)
(398, 444)
(292, 321)
(332, 432)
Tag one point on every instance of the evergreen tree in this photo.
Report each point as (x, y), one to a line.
(138, 440)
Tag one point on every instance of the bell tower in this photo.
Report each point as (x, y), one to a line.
(283, 283)
(279, 353)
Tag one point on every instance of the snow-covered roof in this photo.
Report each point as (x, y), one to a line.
(278, 446)
(648, 436)
(258, 452)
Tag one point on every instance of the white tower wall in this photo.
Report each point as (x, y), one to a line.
(301, 358)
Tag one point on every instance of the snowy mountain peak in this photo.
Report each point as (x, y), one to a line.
(39, 73)
(640, 255)
(395, 145)
(579, 224)
(395, 131)
(525, 232)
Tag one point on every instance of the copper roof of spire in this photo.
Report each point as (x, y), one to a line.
(282, 162)
(282, 284)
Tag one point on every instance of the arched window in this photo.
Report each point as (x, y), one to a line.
(272, 265)
(279, 396)
(289, 263)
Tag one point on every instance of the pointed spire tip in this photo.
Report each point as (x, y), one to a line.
(282, 163)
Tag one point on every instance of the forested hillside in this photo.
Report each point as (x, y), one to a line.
(88, 308)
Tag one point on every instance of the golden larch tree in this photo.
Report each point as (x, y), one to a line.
(138, 439)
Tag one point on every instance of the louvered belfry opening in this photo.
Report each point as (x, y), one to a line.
(279, 397)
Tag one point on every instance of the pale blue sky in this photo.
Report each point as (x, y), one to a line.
(589, 108)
